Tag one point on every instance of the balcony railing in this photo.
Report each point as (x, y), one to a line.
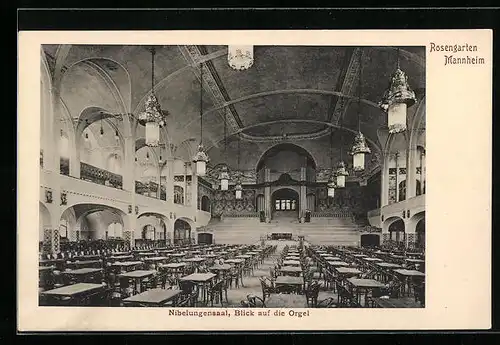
(100, 176)
(149, 189)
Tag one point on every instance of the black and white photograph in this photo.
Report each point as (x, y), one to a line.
(232, 176)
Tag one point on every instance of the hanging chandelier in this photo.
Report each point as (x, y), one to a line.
(238, 189)
(224, 178)
(358, 151)
(396, 99)
(359, 148)
(201, 158)
(153, 117)
(240, 57)
(331, 186)
(341, 173)
(341, 167)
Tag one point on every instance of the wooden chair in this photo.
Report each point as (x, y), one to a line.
(312, 292)
(215, 293)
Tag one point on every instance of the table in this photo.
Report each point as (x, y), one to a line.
(286, 301)
(155, 259)
(408, 274)
(291, 263)
(372, 259)
(359, 255)
(154, 298)
(243, 257)
(85, 264)
(347, 271)
(295, 282)
(290, 269)
(83, 273)
(360, 284)
(235, 261)
(137, 276)
(387, 265)
(415, 261)
(195, 260)
(337, 263)
(74, 291)
(405, 302)
(45, 268)
(201, 280)
(146, 254)
(121, 257)
(127, 264)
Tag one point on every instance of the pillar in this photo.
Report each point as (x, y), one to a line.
(194, 200)
(267, 195)
(303, 193)
(169, 180)
(384, 182)
(129, 165)
(412, 162)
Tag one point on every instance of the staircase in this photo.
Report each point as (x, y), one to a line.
(321, 230)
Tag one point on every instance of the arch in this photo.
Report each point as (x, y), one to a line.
(285, 147)
(420, 233)
(285, 200)
(178, 195)
(205, 203)
(402, 190)
(370, 240)
(397, 231)
(44, 220)
(182, 231)
(151, 226)
(91, 221)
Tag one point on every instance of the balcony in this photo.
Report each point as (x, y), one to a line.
(100, 176)
(399, 209)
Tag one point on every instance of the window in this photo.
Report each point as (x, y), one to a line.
(178, 195)
(285, 205)
(402, 190)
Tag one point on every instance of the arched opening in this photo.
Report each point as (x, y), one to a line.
(178, 195)
(402, 190)
(397, 232)
(285, 203)
(152, 229)
(44, 223)
(91, 222)
(370, 240)
(420, 232)
(286, 159)
(205, 238)
(419, 188)
(182, 232)
(205, 203)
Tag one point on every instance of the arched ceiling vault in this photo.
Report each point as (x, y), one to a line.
(290, 89)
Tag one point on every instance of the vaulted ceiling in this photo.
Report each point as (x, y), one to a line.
(290, 91)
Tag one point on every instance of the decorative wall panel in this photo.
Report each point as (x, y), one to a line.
(225, 203)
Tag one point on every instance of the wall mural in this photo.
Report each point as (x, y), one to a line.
(225, 203)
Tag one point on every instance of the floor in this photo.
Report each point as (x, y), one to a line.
(252, 286)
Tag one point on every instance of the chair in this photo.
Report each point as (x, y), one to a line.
(216, 292)
(326, 303)
(267, 287)
(255, 301)
(312, 292)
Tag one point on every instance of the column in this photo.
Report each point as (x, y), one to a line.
(384, 181)
(267, 195)
(194, 200)
(169, 187)
(129, 165)
(303, 194)
(412, 162)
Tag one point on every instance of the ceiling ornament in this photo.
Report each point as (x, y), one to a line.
(240, 57)
(397, 98)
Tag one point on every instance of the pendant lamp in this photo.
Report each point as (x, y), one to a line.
(201, 158)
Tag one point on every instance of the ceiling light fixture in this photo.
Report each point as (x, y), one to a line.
(359, 148)
(153, 117)
(341, 167)
(396, 99)
(240, 57)
(201, 157)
